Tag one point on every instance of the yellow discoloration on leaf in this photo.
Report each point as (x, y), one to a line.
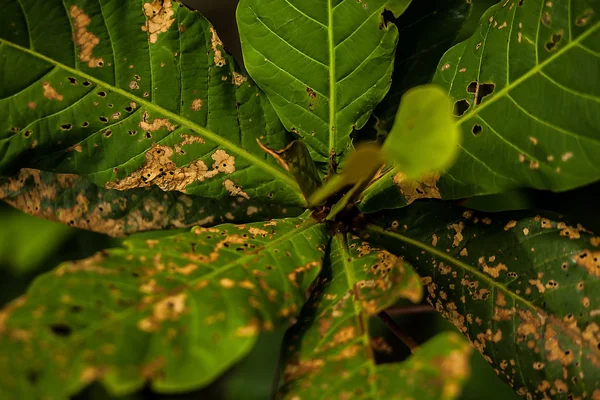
(249, 330)
(292, 276)
(227, 283)
(238, 79)
(156, 124)
(51, 93)
(161, 171)
(169, 308)
(84, 39)
(216, 42)
(196, 105)
(159, 15)
(425, 188)
(234, 190)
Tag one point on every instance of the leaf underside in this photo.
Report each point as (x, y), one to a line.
(75, 201)
(522, 287)
(176, 311)
(527, 99)
(330, 353)
(134, 94)
(325, 72)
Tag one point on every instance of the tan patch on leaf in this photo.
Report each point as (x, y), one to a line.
(235, 190)
(215, 42)
(84, 39)
(196, 105)
(170, 308)
(159, 15)
(590, 261)
(51, 93)
(425, 188)
(155, 125)
(238, 79)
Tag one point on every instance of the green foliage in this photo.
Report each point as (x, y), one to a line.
(285, 202)
(424, 137)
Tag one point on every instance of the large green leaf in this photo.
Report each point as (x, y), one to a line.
(75, 201)
(330, 352)
(522, 287)
(325, 64)
(527, 96)
(176, 311)
(134, 94)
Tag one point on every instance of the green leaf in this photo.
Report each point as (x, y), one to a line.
(175, 311)
(527, 99)
(426, 31)
(75, 201)
(522, 287)
(296, 159)
(424, 137)
(323, 64)
(330, 351)
(134, 94)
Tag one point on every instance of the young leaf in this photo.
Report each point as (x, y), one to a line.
(296, 159)
(522, 287)
(331, 353)
(75, 201)
(326, 72)
(134, 94)
(175, 311)
(512, 134)
(424, 137)
(426, 31)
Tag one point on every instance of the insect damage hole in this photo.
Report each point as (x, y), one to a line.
(480, 90)
(477, 129)
(554, 41)
(460, 107)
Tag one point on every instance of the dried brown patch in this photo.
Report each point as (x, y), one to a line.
(216, 42)
(425, 188)
(159, 15)
(51, 93)
(86, 41)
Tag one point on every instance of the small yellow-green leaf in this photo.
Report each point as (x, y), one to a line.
(424, 136)
(360, 167)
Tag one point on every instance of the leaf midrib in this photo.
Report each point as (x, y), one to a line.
(458, 263)
(332, 82)
(272, 170)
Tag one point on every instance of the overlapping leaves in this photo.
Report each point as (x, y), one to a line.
(522, 287)
(324, 64)
(134, 94)
(330, 353)
(526, 95)
(176, 311)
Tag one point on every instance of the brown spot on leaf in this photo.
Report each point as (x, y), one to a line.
(159, 15)
(49, 93)
(216, 42)
(169, 308)
(425, 188)
(238, 79)
(196, 105)
(86, 41)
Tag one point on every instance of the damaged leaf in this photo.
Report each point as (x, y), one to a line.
(165, 107)
(521, 286)
(175, 311)
(296, 159)
(512, 137)
(75, 201)
(325, 73)
(330, 350)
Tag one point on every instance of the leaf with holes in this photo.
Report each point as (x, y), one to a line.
(75, 201)
(325, 72)
(176, 311)
(134, 94)
(331, 351)
(526, 94)
(522, 287)
(426, 30)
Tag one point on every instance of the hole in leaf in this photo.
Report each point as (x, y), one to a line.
(584, 18)
(477, 129)
(521, 3)
(102, 94)
(387, 18)
(554, 41)
(148, 135)
(484, 89)
(103, 119)
(61, 329)
(72, 80)
(128, 109)
(131, 133)
(66, 127)
(472, 88)
(87, 83)
(460, 107)
(85, 124)
(32, 376)
(15, 129)
(27, 133)
(107, 133)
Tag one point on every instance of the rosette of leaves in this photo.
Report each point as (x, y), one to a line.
(125, 117)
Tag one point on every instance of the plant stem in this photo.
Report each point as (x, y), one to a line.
(414, 309)
(399, 332)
